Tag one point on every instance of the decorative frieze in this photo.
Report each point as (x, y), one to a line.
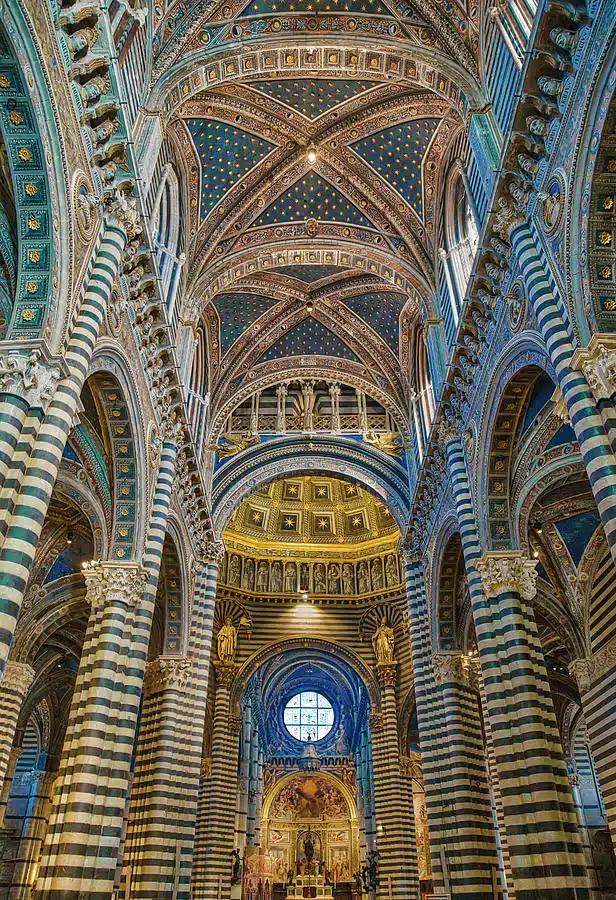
(504, 571)
(597, 362)
(17, 678)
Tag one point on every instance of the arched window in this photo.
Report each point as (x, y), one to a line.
(514, 19)
(197, 392)
(422, 401)
(166, 235)
(461, 237)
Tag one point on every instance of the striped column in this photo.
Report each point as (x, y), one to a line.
(395, 825)
(14, 478)
(462, 840)
(158, 857)
(13, 413)
(85, 828)
(540, 819)
(22, 534)
(29, 854)
(18, 677)
(546, 856)
(586, 420)
(595, 676)
(156, 838)
(214, 842)
(470, 842)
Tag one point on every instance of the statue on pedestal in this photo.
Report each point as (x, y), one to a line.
(227, 642)
(383, 643)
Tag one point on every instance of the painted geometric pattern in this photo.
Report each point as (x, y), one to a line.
(309, 338)
(226, 154)
(236, 312)
(313, 96)
(381, 310)
(576, 531)
(312, 198)
(265, 7)
(308, 273)
(397, 155)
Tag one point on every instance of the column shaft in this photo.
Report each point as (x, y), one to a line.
(15, 685)
(546, 857)
(395, 824)
(586, 420)
(22, 534)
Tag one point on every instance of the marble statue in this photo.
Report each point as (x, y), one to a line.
(348, 579)
(391, 571)
(248, 575)
(262, 576)
(363, 578)
(319, 579)
(234, 571)
(290, 578)
(333, 579)
(377, 575)
(276, 579)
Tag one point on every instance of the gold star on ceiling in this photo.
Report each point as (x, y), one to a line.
(356, 520)
(292, 489)
(289, 523)
(321, 492)
(256, 517)
(323, 523)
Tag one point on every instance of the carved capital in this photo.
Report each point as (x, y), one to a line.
(507, 570)
(17, 678)
(406, 767)
(376, 721)
(449, 430)
(455, 668)
(167, 673)
(124, 210)
(589, 670)
(109, 583)
(598, 363)
(28, 377)
(509, 217)
(225, 673)
(213, 552)
(410, 549)
(387, 673)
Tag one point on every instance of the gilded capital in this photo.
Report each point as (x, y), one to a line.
(225, 672)
(387, 673)
(507, 571)
(17, 678)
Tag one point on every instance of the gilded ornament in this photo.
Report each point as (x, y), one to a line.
(32, 287)
(34, 224)
(15, 117)
(24, 154)
(4, 81)
(28, 315)
(31, 189)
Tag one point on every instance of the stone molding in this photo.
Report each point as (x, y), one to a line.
(590, 669)
(507, 570)
(109, 583)
(597, 362)
(454, 667)
(212, 552)
(28, 377)
(167, 673)
(17, 678)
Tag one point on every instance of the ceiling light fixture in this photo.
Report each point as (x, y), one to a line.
(311, 153)
(309, 306)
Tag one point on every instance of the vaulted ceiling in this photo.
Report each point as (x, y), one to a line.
(315, 136)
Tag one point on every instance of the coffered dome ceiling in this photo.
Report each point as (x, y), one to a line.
(312, 510)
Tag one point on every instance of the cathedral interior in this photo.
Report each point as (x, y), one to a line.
(307, 449)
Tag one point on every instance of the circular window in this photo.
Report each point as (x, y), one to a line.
(308, 716)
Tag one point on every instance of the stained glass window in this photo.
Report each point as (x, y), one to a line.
(308, 716)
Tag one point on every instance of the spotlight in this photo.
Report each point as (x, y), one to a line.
(311, 154)
(538, 528)
(535, 554)
(69, 537)
(309, 306)
(305, 597)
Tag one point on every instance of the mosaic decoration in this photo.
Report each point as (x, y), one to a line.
(309, 338)
(381, 311)
(265, 7)
(311, 96)
(312, 198)
(236, 312)
(308, 274)
(397, 155)
(26, 160)
(226, 154)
